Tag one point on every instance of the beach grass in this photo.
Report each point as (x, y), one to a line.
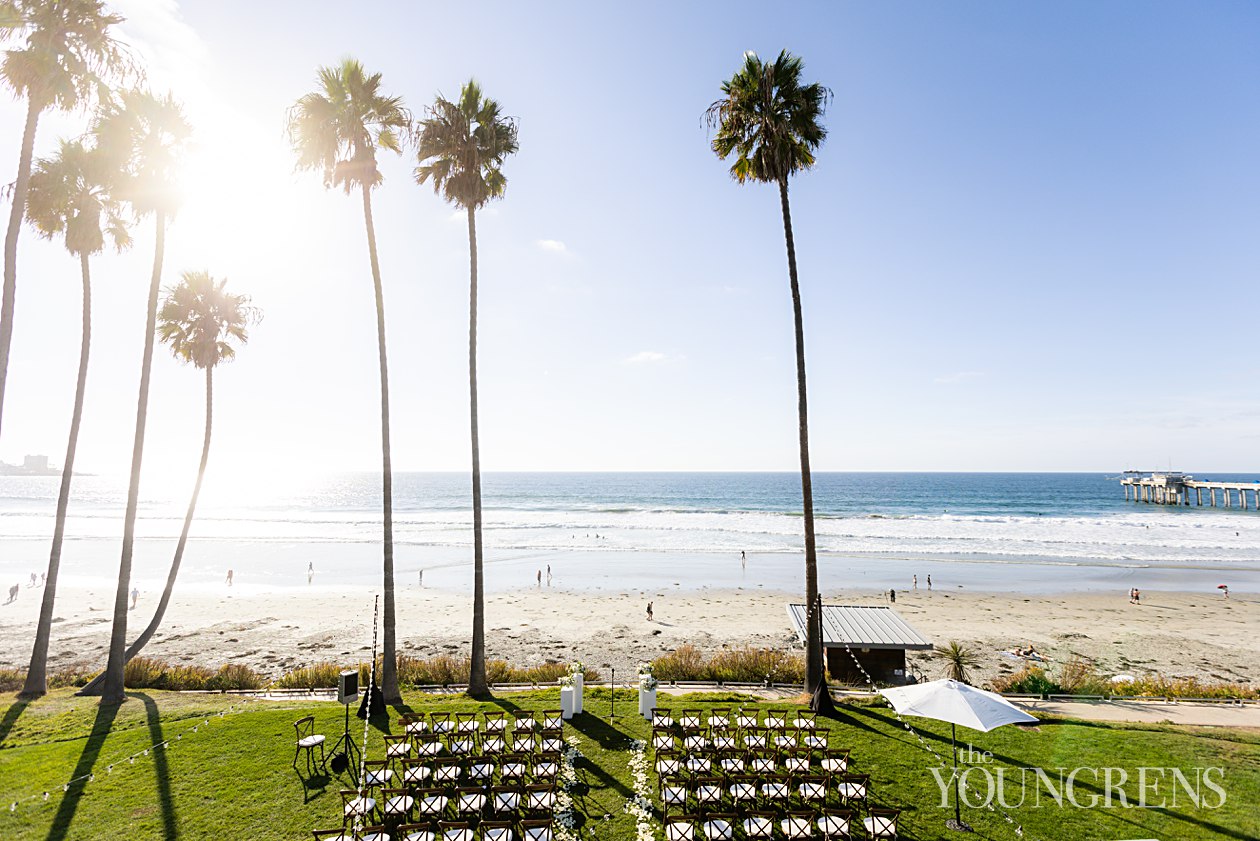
(233, 776)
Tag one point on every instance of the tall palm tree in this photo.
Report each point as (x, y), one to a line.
(199, 320)
(771, 122)
(146, 137)
(65, 59)
(70, 196)
(337, 130)
(465, 145)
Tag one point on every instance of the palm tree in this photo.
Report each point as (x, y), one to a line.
(65, 60)
(771, 121)
(337, 130)
(198, 319)
(465, 145)
(957, 661)
(69, 196)
(145, 136)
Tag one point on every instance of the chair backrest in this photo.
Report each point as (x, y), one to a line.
(883, 820)
(408, 831)
(305, 727)
(456, 830)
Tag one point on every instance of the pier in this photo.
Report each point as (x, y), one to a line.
(1173, 488)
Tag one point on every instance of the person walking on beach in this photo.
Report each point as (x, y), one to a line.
(1137, 596)
(548, 575)
(892, 596)
(229, 578)
(649, 611)
(916, 581)
(929, 581)
(310, 572)
(540, 578)
(13, 591)
(135, 594)
(422, 578)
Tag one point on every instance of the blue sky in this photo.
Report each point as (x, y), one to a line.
(1029, 244)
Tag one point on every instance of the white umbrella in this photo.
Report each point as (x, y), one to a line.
(957, 703)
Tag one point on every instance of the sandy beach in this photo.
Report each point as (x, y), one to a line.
(1174, 633)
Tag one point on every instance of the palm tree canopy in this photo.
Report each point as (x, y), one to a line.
(768, 119)
(146, 137)
(957, 661)
(200, 318)
(465, 145)
(338, 128)
(70, 194)
(66, 56)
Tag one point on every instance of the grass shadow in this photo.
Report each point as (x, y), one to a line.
(161, 768)
(11, 715)
(105, 715)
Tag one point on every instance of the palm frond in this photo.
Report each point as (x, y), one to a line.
(199, 317)
(461, 147)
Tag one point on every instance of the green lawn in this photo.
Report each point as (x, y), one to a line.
(233, 778)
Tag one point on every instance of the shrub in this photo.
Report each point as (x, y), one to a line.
(732, 665)
(1030, 680)
(439, 670)
(683, 663)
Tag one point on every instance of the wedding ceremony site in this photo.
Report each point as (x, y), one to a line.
(661, 422)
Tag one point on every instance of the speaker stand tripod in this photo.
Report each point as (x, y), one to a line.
(344, 750)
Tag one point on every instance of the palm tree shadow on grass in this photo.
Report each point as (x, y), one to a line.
(161, 768)
(11, 715)
(105, 715)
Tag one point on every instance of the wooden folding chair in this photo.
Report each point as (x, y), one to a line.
(673, 794)
(470, 800)
(720, 717)
(852, 788)
(496, 722)
(377, 773)
(447, 771)
(466, 724)
(432, 802)
(776, 719)
(416, 832)
(835, 761)
(505, 800)
(552, 719)
(497, 831)
(546, 766)
(536, 829)
(709, 792)
(745, 719)
(881, 823)
(308, 740)
(513, 767)
(797, 760)
(396, 804)
(480, 769)
(811, 789)
(414, 725)
(798, 826)
(551, 741)
(718, 827)
(835, 823)
(523, 722)
(355, 805)
(679, 828)
(759, 825)
(743, 790)
(691, 719)
(540, 797)
(661, 717)
(441, 723)
(455, 830)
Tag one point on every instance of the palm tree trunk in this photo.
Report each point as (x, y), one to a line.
(156, 621)
(389, 661)
(112, 688)
(477, 671)
(814, 677)
(37, 673)
(16, 212)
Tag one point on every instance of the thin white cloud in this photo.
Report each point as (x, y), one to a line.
(645, 357)
(172, 53)
(958, 377)
(555, 246)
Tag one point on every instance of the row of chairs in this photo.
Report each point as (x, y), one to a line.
(731, 738)
(519, 721)
(449, 771)
(795, 826)
(794, 761)
(744, 719)
(401, 804)
(546, 740)
(745, 792)
(524, 829)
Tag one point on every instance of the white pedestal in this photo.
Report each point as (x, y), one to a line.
(647, 700)
(577, 694)
(566, 702)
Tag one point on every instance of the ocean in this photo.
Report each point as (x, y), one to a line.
(1007, 519)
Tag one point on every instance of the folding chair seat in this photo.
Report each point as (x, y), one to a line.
(724, 738)
(493, 744)
(471, 800)
(730, 761)
(662, 717)
(708, 792)
(852, 787)
(456, 830)
(496, 722)
(835, 761)
(416, 832)
(441, 723)
(763, 763)
(540, 797)
(396, 803)
(695, 741)
(662, 738)
(720, 717)
(536, 829)
(355, 805)
(699, 764)
(691, 719)
(546, 766)
(797, 761)
(428, 744)
(718, 827)
(413, 725)
(787, 738)
(756, 738)
(431, 802)
(812, 789)
(513, 767)
(497, 831)
(417, 772)
(446, 771)
(776, 789)
(679, 828)
(551, 741)
(505, 800)
(743, 789)
(835, 823)
(466, 724)
(523, 722)
(881, 823)
(816, 739)
(377, 773)
(798, 826)
(480, 769)
(673, 793)
(776, 719)
(805, 720)
(373, 833)
(308, 740)
(668, 763)
(759, 825)
(745, 719)
(552, 719)
(461, 745)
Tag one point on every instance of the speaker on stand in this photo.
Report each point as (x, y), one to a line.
(344, 749)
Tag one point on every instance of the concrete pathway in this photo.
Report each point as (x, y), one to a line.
(1151, 712)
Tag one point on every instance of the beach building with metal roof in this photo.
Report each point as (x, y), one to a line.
(876, 636)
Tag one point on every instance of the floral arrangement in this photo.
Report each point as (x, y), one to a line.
(645, 668)
(640, 805)
(647, 682)
(568, 680)
(566, 779)
(577, 668)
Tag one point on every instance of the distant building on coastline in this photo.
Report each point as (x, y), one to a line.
(30, 466)
(860, 639)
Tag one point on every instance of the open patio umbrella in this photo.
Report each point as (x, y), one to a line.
(957, 703)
